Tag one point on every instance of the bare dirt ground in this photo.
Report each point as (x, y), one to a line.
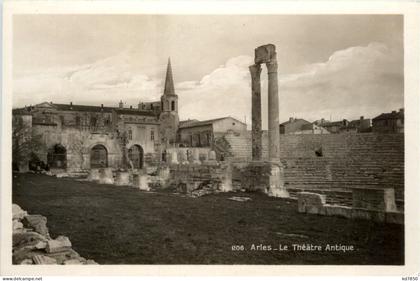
(123, 225)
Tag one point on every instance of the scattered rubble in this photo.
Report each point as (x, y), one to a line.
(32, 243)
(292, 235)
(239, 199)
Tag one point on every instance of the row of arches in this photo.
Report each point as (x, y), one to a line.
(57, 156)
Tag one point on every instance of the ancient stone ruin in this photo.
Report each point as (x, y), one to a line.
(32, 243)
(368, 203)
(272, 182)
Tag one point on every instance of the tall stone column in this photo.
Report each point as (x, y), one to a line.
(273, 111)
(256, 112)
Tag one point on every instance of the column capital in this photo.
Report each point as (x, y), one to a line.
(272, 66)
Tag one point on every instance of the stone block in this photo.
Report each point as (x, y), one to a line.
(382, 199)
(17, 212)
(341, 211)
(311, 203)
(196, 157)
(106, 176)
(27, 237)
(212, 155)
(37, 223)
(41, 259)
(394, 217)
(141, 182)
(17, 226)
(122, 178)
(27, 261)
(174, 157)
(94, 175)
(276, 182)
(64, 255)
(72, 261)
(61, 243)
(265, 54)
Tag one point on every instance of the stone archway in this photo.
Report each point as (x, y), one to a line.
(99, 156)
(57, 157)
(135, 156)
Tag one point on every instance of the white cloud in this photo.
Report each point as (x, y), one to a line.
(225, 91)
(361, 80)
(105, 81)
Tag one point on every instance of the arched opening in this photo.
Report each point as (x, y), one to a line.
(172, 105)
(135, 156)
(99, 157)
(57, 157)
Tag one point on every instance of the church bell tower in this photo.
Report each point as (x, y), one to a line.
(169, 119)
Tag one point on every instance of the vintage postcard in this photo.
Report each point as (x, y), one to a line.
(223, 138)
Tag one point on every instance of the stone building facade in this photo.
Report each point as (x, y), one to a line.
(80, 137)
(194, 133)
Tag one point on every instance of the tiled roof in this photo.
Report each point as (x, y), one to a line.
(293, 121)
(391, 115)
(89, 108)
(84, 108)
(187, 124)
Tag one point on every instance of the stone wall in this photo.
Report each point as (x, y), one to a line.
(345, 161)
(78, 144)
(200, 179)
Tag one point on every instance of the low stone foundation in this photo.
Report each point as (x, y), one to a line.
(262, 176)
(200, 179)
(313, 203)
(32, 243)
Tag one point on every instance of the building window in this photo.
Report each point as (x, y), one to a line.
(173, 106)
(130, 134)
(152, 135)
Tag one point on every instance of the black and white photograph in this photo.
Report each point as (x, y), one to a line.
(207, 139)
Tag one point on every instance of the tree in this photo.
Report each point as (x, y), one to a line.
(24, 144)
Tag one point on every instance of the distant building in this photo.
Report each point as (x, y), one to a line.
(335, 127)
(193, 133)
(361, 125)
(300, 126)
(389, 122)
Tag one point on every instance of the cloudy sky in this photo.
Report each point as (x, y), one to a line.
(329, 66)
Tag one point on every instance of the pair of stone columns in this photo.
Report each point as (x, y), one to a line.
(265, 54)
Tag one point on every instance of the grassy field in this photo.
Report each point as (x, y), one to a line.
(122, 225)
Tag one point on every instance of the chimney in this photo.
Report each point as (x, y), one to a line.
(71, 105)
(121, 104)
(401, 110)
(131, 107)
(291, 119)
(362, 117)
(393, 112)
(102, 107)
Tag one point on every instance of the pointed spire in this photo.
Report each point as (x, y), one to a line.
(169, 81)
